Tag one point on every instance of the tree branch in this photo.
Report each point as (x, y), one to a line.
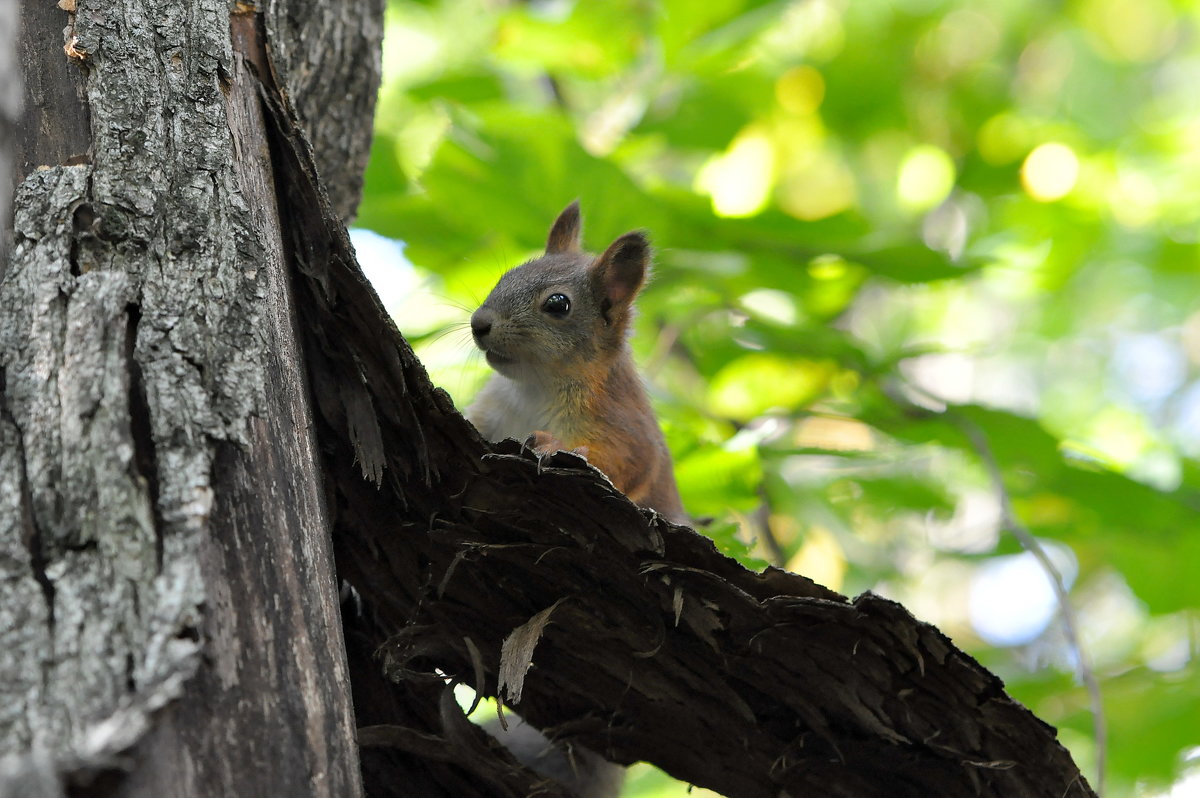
(659, 642)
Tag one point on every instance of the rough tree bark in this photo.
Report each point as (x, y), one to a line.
(169, 613)
(199, 392)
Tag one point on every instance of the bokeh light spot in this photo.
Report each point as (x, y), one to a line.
(800, 90)
(828, 267)
(1012, 599)
(926, 177)
(739, 181)
(1131, 30)
(768, 303)
(1003, 139)
(1050, 171)
(820, 189)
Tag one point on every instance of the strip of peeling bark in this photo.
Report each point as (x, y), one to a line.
(658, 647)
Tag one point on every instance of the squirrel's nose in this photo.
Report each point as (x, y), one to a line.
(481, 324)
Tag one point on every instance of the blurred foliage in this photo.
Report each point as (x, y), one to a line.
(876, 222)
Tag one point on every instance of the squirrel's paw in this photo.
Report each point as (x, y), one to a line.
(544, 444)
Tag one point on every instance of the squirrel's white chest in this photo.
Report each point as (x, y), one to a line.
(509, 409)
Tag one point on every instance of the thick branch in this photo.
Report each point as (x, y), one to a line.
(659, 648)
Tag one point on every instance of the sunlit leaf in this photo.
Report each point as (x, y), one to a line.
(758, 382)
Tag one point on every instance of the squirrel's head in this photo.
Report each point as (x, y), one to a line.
(564, 309)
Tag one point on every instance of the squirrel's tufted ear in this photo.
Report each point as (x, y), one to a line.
(566, 231)
(619, 273)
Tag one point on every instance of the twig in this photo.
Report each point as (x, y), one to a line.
(762, 519)
(1070, 624)
(554, 89)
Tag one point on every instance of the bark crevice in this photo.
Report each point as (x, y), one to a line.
(31, 532)
(144, 462)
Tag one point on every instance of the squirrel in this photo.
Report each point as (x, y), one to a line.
(555, 329)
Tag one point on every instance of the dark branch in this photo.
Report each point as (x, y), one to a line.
(660, 648)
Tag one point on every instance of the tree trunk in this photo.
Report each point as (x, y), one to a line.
(169, 612)
(199, 393)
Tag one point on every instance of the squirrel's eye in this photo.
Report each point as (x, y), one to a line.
(557, 305)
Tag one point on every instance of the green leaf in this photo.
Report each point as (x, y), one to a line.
(758, 382)
(913, 263)
(712, 480)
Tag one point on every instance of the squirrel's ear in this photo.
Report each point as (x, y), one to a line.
(620, 272)
(566, 230)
